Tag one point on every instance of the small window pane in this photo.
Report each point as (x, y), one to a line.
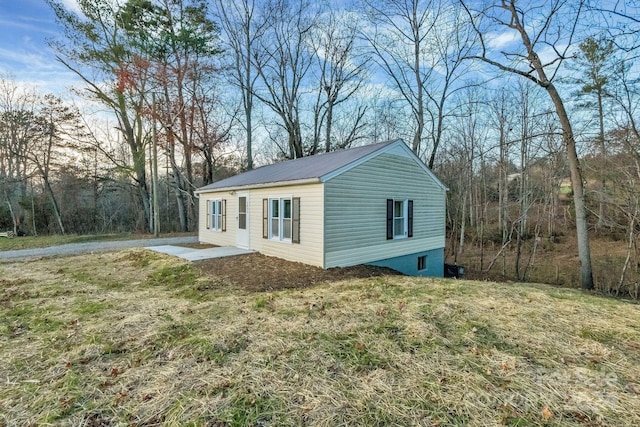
(274, 227)
(286, 229)
(398, 226)
(275, 208)
(287, 208)
(398, 210)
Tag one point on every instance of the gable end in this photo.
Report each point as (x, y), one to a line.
(398, 148)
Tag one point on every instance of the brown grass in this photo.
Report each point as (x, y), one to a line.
(139, 338)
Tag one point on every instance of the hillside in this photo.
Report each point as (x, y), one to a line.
(139, 338)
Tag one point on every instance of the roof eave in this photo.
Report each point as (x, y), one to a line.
(305, 181)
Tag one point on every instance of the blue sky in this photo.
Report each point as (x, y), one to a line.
(25, 26)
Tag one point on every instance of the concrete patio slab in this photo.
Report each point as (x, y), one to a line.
(191, 254)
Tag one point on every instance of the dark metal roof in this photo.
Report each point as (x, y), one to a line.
(299, 169)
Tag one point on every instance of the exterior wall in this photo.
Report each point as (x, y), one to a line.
(220, 238)
(310, 248)
(355, 211)
(408, 264)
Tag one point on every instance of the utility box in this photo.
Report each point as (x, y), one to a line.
(453, 270)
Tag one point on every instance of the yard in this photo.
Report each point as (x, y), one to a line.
(140, 338)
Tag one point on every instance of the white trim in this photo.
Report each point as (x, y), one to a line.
(280, 237)
(405, 219)
(215, 215)
(262, 185)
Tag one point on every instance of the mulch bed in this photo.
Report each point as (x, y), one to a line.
(259, 273)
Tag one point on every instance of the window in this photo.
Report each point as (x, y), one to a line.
(281, 219)
(274, 219)
(399, 219)
(216, 215)
(399, 216)
(422, 262)
(286, 219)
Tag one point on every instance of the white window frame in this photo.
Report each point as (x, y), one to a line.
(215, 214)
(280, 235)
(405, 218)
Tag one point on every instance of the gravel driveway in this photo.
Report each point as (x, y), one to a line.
(87, 247)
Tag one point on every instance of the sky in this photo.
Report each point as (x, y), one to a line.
(25, 27)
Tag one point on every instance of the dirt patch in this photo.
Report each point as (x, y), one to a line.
(258, 273)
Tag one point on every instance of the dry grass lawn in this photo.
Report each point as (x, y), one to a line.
(143, 339)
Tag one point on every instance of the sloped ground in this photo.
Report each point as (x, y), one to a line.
(143, 339)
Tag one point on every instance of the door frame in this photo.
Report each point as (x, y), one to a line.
(243, 236)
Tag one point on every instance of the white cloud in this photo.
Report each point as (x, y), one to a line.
(502, 40)
(71, 5)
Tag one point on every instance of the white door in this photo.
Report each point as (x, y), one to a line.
(242, 238)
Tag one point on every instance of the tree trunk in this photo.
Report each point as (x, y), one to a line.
(328, 127)
(54, 203)
(462, 223)
(417, 138)
(603, 166)
(584, 251)
(178, 189)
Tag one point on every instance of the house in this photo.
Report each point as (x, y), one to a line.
(377, 204)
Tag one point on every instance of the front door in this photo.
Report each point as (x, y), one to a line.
(242, 239)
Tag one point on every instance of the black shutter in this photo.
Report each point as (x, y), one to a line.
(410, 219)
(223, 207)
(389, 219)
(295, 220)
(265, 218)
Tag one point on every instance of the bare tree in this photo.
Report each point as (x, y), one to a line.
(400, 39)
(341, 75)
(57, 126)
(242, 30)
(282, 61)
(17, 127)
(501, 118)
(526, 62)
(451, 42)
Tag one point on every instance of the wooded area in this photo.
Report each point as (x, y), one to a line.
(527, 111)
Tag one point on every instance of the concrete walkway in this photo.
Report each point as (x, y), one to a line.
(191, 254)
(100, 246)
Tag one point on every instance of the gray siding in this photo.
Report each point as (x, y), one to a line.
(355, 211)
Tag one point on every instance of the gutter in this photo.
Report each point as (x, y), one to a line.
(305, 181)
